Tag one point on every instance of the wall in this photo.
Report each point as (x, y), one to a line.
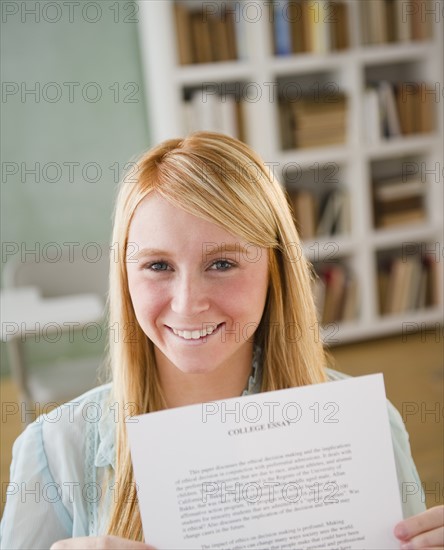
(77, 135)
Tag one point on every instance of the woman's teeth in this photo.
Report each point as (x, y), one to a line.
(195, 334)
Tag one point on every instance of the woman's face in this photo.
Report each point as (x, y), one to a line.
(183, 288)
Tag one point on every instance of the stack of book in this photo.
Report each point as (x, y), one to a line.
(215, 113)
(207, 35)
(314, 26)
(335, 294)
(396, 20)
(398, 201)
(395, 109)
(313, 122)
(408, 283)
(318, 218)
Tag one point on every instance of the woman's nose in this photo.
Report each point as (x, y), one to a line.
(189, 297)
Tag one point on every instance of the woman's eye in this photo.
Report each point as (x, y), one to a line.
(157, 266)
(222, 265)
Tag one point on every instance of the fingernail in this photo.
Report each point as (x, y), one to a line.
(400, 531)
(406, 546)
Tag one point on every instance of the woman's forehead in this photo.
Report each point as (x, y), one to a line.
(157, 220)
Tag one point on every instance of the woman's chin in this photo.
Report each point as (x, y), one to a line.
(197, 369)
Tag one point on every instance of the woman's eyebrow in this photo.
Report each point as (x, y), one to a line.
(149, 252)
(208, 249)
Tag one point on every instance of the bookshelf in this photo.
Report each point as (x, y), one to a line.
(405, 58)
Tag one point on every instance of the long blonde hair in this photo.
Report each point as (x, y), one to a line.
(222, 180)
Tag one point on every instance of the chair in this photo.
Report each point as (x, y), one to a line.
(73, 293)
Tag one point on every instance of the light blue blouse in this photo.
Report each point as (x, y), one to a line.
(60, 460)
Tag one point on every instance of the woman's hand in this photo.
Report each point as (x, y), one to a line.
(423, 531)
(99, 543)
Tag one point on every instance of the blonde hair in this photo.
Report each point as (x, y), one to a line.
(222, 180)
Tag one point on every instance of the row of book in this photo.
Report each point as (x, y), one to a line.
(407, 284)
(396, 20)
(321, 216)
(214, 113)
(404, 284)
(398, 201)
(396, 109)
(205, 36)
(211, 32)
(335, 294)
(390, 111)
(313, 122)
(315, 26)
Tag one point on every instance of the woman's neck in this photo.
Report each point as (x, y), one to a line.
(227, 380)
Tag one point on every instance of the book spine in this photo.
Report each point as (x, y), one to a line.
(282, 29)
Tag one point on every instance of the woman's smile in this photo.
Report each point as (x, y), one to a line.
(196, 334)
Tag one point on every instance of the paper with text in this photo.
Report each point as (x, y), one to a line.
(309, 467)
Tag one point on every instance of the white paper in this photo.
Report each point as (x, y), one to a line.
(308, 467)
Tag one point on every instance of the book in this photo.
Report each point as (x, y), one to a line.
(318, 122)
(405, 100)
(201, 38)
(189, 120)
(402, 21)
(389, 110)
(396, 286)
(318, 287)
(372, 116)
(220, 46)
(285, 124)
(339, 33)
(321, 35)
(304, 206)
(332, 211)
(344, 221)
(183, 33)
(390, 14)
(434, 281)
(240, 117)
(397, 201)
(351, 300)
(281, 28)
(403, 217)
(421, 298)
(227, 121)
(335, 278)
(308, 21)
(295, 15)
(396, 188)
(205, 111)
(425, 106)
(364, 11)
(233, 34)
(383, 278)
(378, 22)
(411, 284)
(335, 138)
(236, 21)
(423, 13)
(413, 297)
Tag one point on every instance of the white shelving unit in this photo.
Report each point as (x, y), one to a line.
(423, 61)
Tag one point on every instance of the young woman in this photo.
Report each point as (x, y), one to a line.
(208, 268)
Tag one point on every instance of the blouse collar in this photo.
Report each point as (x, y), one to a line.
(106, 454)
